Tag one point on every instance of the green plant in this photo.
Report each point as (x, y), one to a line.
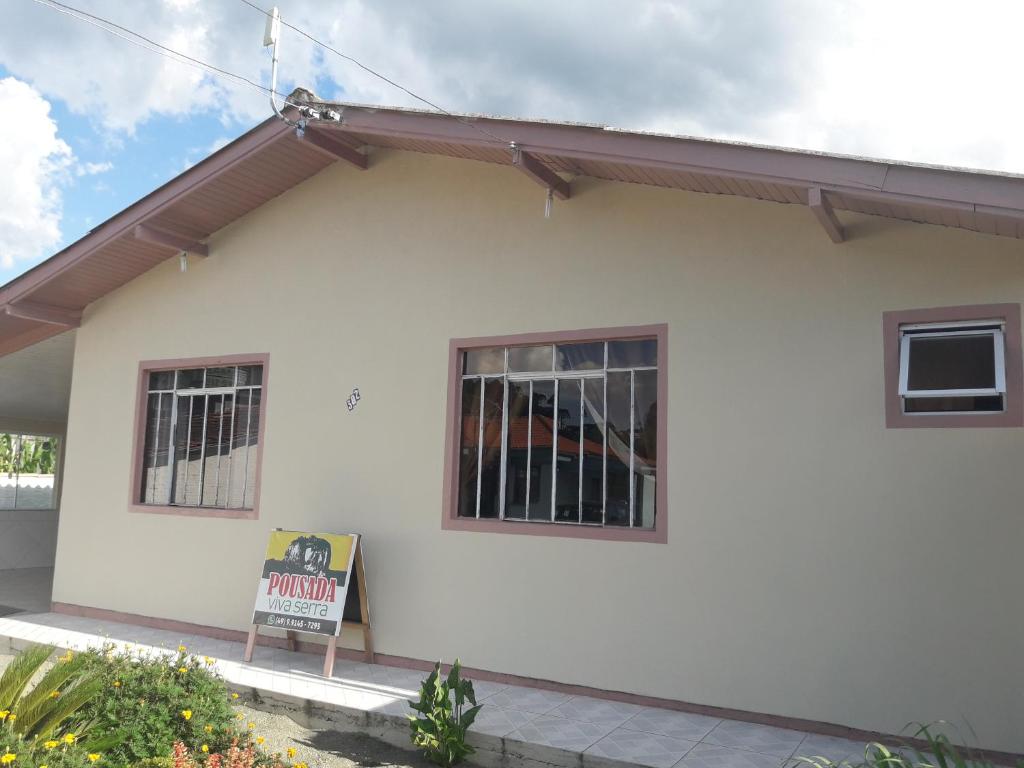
(934, 750)
(153, 700)
(50, 707)
(440, 727)
(51, 754)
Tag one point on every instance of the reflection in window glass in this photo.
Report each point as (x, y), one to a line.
(477, 361)
(952, 362)
(636, 353)
(575, 445)
(567, 477)
(200, 442)
(580, 357)
(529, 359)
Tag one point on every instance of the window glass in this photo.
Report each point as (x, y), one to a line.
(567, 478)
(579, 357)
(951, 362)
(200, 446)
(633, 354)
(577, 444)
(987, 403)
(161, 380)
(529, 359)
(478, 361)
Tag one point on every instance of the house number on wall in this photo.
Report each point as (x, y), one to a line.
(353, 399)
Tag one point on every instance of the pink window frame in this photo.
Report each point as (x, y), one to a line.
(138, 436)
(1013, 416)
(450, 520)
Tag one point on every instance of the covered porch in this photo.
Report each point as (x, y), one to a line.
(35, 384)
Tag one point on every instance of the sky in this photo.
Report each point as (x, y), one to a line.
(92, 122)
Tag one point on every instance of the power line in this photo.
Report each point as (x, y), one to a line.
(152, 46)
(377, 74)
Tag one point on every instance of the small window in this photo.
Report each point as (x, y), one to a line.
(201, 437)
(952, 368)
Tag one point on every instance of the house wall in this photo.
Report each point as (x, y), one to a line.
(818, 565)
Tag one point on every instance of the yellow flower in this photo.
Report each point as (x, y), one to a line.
(234, 695)
(9, 757)
(259, 739)
(11, 717)
(3, 714)
(187, 714)
(239, 716)
(210, 660)
(251, 726)
(208, 729)
(50, 744)
(55, 695)
(69, 739)
(182, 648)
(205, 748)
(67, 657)
(182, 670)
(291, 751)
(117, 683)
(93, 757)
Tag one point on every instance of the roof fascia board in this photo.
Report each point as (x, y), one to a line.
(907, 183)
(123, 223)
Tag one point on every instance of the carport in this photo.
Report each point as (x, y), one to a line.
(35, 381)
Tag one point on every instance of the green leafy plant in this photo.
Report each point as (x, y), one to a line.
(439, 728)
(936, 751)
(26, 753)
(52, 706)
(153, 700)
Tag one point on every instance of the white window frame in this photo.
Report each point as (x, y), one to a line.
(993, 328)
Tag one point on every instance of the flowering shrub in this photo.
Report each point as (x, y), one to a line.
(19, 752)
(233, 757)
(154, 700)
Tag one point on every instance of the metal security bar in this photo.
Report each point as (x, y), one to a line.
(559, 378)
(178, 441)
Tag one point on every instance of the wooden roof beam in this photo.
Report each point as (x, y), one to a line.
(44, 313)
(822, 210)
(333, 148)
(540, 173)
(148, 234)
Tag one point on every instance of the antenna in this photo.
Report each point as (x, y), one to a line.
(271, 37)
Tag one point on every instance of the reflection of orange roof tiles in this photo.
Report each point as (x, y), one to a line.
(519, 435)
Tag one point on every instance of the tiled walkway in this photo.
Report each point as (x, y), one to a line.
(526, 726)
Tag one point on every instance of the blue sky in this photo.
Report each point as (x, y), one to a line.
(103, 122)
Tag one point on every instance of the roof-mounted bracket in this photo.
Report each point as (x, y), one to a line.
(539, 172)
(822, 210)
(326, 145)
(44, 313)
(177, 242)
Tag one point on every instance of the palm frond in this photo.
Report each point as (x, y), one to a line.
(20, 671)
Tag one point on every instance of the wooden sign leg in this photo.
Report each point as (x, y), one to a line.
(332, 647)
(293, 639)
(364, 605)
(250, 644)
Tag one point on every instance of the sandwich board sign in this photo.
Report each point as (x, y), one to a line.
(313, 583)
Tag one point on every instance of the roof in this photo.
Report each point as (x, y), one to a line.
(272, 158)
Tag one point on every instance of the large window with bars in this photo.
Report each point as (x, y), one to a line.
(201, 439)
(560, 433)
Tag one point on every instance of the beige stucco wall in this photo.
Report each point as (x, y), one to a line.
(818, 565)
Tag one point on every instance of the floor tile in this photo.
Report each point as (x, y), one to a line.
(559, 732)
(706, 755)
(757, 738)
(598, 711)
(501, 722)
(832, 748)
(643, 748)
(528, 699)
(678, 725)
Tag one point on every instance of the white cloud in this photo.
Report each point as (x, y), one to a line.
(35, 165)
(91, 169)
(916, 79)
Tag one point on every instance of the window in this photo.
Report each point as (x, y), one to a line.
(562, 433)
(28, 471)
(201, 436)
(957, 366)
(952, 368)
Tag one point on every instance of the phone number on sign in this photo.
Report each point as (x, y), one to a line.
(309, 625)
